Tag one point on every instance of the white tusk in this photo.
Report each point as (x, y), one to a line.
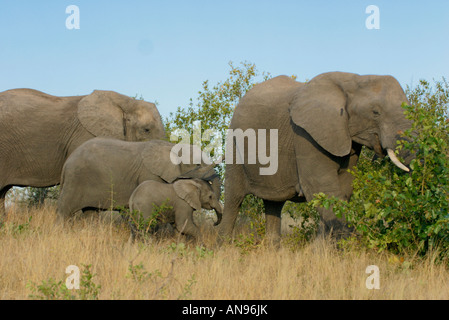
(396, 161)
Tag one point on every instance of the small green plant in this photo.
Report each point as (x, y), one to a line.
(143, 226)
(186, 291)
(50, 290)
(202, 252)
(182, 250)
(14, 228)
(179, 248)
(57, 290)
(160, 283)
(140, 275)
(88, 289)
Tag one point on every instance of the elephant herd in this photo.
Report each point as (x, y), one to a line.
(106, 149)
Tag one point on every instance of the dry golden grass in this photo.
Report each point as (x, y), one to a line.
(33, 253)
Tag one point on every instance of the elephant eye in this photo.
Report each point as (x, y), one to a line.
(376, 113)
(146, 130)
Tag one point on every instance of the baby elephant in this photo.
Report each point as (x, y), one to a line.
(184, 196)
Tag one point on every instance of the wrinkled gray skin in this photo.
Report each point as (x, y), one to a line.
(322, 126)
(185, 196)
(103, 173)
(39, 131)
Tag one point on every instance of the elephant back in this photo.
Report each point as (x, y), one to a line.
(265, 104)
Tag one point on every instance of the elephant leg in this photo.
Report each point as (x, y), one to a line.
(235, 193)
(230, 213)
(65, 210)
(333, 226)
(329, 184)
(2, 203)
(273, 220)
(330, 224)
(187, 227)
(338, 227)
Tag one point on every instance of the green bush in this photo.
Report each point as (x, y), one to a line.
(398, 211)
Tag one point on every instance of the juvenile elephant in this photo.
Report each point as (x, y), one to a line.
(39, 131)
(185, 196)
(103, 173)
(321, 127)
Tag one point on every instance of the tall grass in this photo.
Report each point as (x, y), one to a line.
(35, 252)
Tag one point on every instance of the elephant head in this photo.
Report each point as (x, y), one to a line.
(110, 114)
(364, 109)
(199, 194)
(168, 169)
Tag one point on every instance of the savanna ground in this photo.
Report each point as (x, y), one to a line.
(35, 252)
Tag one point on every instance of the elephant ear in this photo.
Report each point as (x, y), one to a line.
(100, 113)
(319, 108)
(189, 191)
(156, 159)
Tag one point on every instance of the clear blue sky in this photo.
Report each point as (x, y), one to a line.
(164, 50)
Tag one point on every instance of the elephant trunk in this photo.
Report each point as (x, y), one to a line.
(216, 187)
(219, 210)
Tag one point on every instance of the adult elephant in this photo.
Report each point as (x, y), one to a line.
(39, 131)
(322, 126)
(103, 173)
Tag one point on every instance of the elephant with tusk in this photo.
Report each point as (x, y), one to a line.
(38, 131)
(103, 173)
(321, 126)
